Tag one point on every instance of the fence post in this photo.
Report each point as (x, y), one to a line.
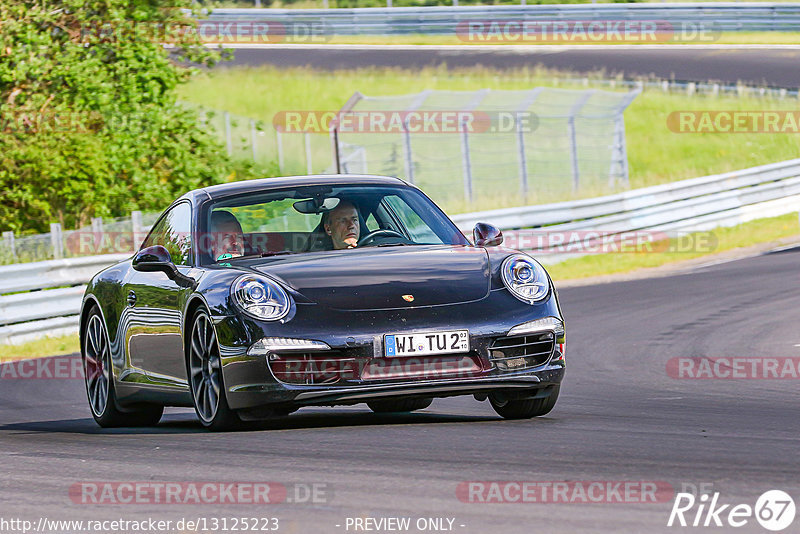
(56, 240)
(573, 142)
(523, 164)
(136, 223)
(253, 137)
(309, 169)
(228, 140)
(337, 158)
(467, 163)
(8, 239)
(279, 140)
(408, 158)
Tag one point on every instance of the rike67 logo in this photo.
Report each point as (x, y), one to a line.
(774, 510)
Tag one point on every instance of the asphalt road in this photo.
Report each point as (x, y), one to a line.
(776, 67)
(620, 418)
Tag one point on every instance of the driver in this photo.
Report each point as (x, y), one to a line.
(228, 239)
(342, 225)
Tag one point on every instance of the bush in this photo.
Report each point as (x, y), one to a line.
(89, 124)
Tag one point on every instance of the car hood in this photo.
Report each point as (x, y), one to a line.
(386, 278)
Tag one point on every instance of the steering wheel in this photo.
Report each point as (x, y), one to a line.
(381, 232)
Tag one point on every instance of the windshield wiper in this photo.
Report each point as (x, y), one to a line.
(395, 245)
(261, 255)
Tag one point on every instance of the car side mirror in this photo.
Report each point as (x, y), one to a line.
(157, 259)
(486, 235)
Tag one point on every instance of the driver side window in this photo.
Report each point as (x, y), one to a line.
(173, 232)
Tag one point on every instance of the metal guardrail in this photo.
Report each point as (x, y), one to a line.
(693, 205)
(438, 20)
(45, 296)
(690, 205)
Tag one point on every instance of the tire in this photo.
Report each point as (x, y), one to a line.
(525, 408)
(399, 405)
(99, 380)
(204, 369)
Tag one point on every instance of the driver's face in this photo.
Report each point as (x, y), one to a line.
(343, 227)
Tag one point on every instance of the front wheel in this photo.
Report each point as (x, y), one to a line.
(399, 405)
(99, 378)
(205, 376)
(524, 408)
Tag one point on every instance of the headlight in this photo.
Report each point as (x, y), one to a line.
(525, 278)
(261, 297)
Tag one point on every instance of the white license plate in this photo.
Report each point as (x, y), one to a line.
(426, 343)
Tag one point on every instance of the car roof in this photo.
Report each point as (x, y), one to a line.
(264, 184)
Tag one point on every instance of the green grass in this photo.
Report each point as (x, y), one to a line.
(656, 155)
(743, 235)
(42, 347)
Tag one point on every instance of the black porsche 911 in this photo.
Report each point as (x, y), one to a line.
(250, 300)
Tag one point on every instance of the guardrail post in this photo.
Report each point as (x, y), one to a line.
(325, 4)
(407, 155)
(228, 139)
(467, 163)
(279, 141)
(388, 3)
(307, 140)
(8, 241)
(253, 137)
(136, 223)
(56, 240)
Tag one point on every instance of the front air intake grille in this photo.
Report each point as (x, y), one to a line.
(324, 367)
(522, 352)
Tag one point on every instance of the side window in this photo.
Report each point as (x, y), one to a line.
(174, 232)
(371, 223)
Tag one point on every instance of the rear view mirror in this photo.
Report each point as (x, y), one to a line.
(316, 205)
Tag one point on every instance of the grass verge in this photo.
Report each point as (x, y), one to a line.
(656, 154)
(41, 347)
(743, 235)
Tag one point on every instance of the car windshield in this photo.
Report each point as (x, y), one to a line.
(318, 218)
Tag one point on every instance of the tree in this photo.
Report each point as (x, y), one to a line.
(89, 122)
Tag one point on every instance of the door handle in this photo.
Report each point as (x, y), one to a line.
(131, 298)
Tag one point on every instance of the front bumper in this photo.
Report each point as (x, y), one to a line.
(251, 383)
